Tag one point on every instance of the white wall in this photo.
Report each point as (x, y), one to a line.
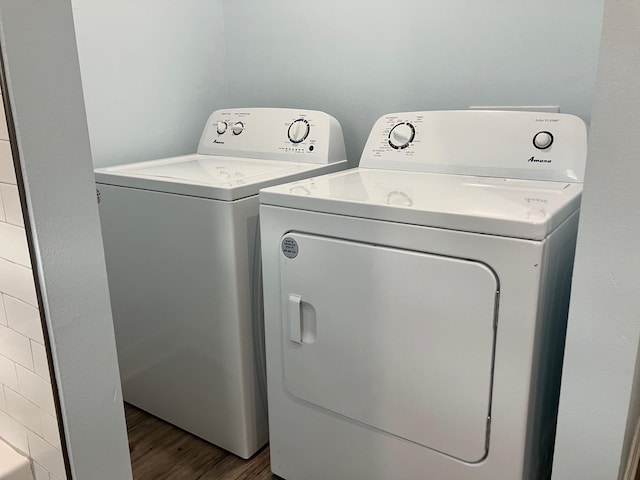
(43, 78)
(152, 72)
(604, 319)
(359, 59)
(154, 69)
(28, 419)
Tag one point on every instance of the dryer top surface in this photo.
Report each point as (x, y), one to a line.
(528, 209)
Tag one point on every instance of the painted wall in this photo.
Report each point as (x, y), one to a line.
(28, 420)
(153, 70)
(360, 59)
(43, 79)
(604, 326)
(152, 73)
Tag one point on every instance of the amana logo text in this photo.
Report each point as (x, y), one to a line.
(538, 160)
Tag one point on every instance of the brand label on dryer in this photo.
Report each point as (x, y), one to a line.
(289, 247)
(538, 160)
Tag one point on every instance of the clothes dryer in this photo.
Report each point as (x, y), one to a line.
(182, 251)
(415, 307)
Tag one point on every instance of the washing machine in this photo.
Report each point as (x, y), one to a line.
(415, 307)
(181, 242)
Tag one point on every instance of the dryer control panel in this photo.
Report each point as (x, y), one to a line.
(508, 144)
(274, 134)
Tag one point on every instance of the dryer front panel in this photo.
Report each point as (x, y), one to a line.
(395, 340)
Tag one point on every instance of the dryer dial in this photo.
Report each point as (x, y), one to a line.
(402, 135)
(298, 130)
(543, 140)
(237, 128)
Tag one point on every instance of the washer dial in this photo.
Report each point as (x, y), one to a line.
(221, 127)
(402, 135)
(298, 130)
(237, 128)
(542, 140)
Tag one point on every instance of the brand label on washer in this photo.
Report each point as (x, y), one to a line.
(289, 247)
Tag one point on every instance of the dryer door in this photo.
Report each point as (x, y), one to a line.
(396, 340)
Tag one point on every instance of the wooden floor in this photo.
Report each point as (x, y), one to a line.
(161, 451)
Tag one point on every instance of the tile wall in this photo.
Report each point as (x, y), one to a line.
(27, 414)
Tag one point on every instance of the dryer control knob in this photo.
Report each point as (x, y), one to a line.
(221, 127)
(298, 130)
(402, 135)
(237, 128)
(542, 140)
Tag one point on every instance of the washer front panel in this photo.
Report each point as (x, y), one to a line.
(396, 340)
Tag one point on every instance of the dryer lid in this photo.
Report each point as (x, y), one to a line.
(528, 209)
(208, 176)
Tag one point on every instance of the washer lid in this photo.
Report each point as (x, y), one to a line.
(528, 209)
(208, 176)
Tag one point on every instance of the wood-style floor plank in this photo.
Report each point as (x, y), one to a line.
(160, 451)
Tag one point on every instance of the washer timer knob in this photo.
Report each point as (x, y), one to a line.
(237, 128)
(221, 127)
(402, 135)
(298, 130)
(542, 140)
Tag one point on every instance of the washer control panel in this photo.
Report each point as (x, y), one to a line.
(275, 134)
(508, 144)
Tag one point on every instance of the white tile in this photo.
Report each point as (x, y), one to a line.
(14, 433)
(8, 374)
(12, 208)
(23, 411)
(3, 315)
(36, 389)
(13, 244)
(2, 216)
(7, 171)
(46, 455)
(4, 131)
(40, 361)
(16, 347)
(17, 281)
(40, 472)
(13, 465)
(3, 402)
(23, 318)
(50, 430)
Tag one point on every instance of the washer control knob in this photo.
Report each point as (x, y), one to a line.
(402, 135)
(542, 140)
(298, 130)
(221, 127)
(237, 128)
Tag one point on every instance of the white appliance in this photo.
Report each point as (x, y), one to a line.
(415, 307)
(182, 249)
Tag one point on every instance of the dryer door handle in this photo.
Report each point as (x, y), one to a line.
(295, 318)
